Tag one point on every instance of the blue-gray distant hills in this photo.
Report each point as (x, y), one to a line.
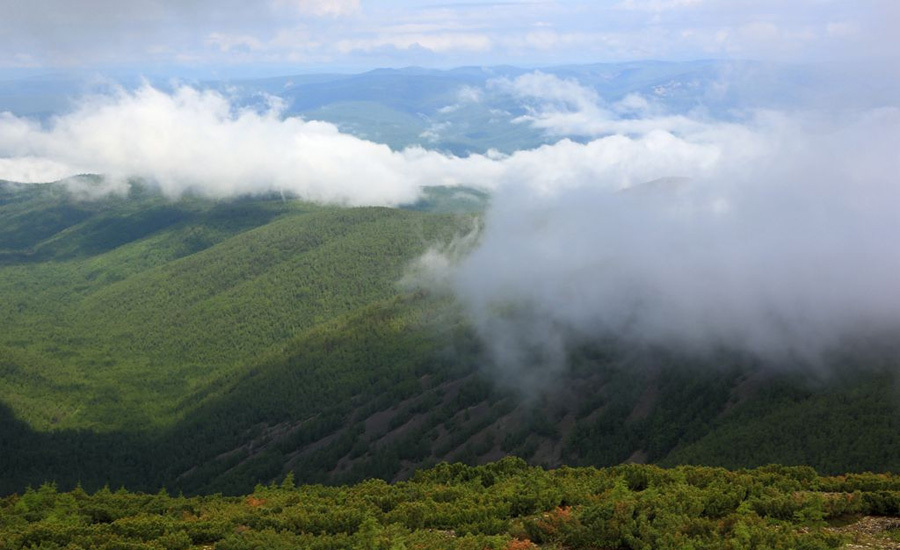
(436, 109)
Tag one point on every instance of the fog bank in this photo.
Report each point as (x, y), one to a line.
(784, 246)
(775, 236)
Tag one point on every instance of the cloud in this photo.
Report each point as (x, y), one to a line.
(31, 169)
(197, 33)
(658, 5)
(436, 268)
(470, 94)
(465, 95)
(775, 237)
(439, 42)
(433, 133)
(781, 244)
(563, 107)
(323, 8)
(198, 141)
(613, 162)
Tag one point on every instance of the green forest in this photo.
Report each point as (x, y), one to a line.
(503, 505)
(207, 346)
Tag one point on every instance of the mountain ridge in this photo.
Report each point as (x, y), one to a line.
(235, 341)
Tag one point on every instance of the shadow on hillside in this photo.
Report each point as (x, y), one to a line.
(46, 223)
(313, 409)
(70, 457)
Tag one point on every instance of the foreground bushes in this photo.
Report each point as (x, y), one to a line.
(503, 505)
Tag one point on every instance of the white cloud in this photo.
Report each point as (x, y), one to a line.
(198, 141)
(228, 42)
(470, 94)
(433, 132)
(781, 244)
(550, 90)
(566, 108)
(31, 169)
(191, 140)
(633, 103)
(441, 42)
(322, 8)
(348, 33)
(658, 5)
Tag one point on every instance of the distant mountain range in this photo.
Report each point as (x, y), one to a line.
(463, 110)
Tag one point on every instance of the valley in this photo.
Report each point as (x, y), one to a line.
(209, 345)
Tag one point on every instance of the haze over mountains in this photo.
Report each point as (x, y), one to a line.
(207, 345)
(529, 274)
(667, 262)
(473, 109)
(776, 193)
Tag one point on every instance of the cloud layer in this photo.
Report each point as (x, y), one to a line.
(782, 244)
(237, 36)
(196, 141)
(777, 236)
(563, 107)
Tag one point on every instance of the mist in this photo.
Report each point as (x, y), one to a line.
(784, 246)
(198, 141)
(775, 235)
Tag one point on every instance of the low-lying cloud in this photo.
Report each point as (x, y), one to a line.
(784, 245)
(198, 141)
(777, 236)
(564, 107)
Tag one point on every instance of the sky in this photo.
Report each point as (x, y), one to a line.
(233, 38)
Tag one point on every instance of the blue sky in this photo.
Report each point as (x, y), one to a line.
(273, 36)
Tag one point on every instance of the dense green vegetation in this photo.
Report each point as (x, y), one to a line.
(503, 505)
(137, 304)
(206, 346)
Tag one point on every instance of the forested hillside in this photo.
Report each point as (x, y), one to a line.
(207, 346)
